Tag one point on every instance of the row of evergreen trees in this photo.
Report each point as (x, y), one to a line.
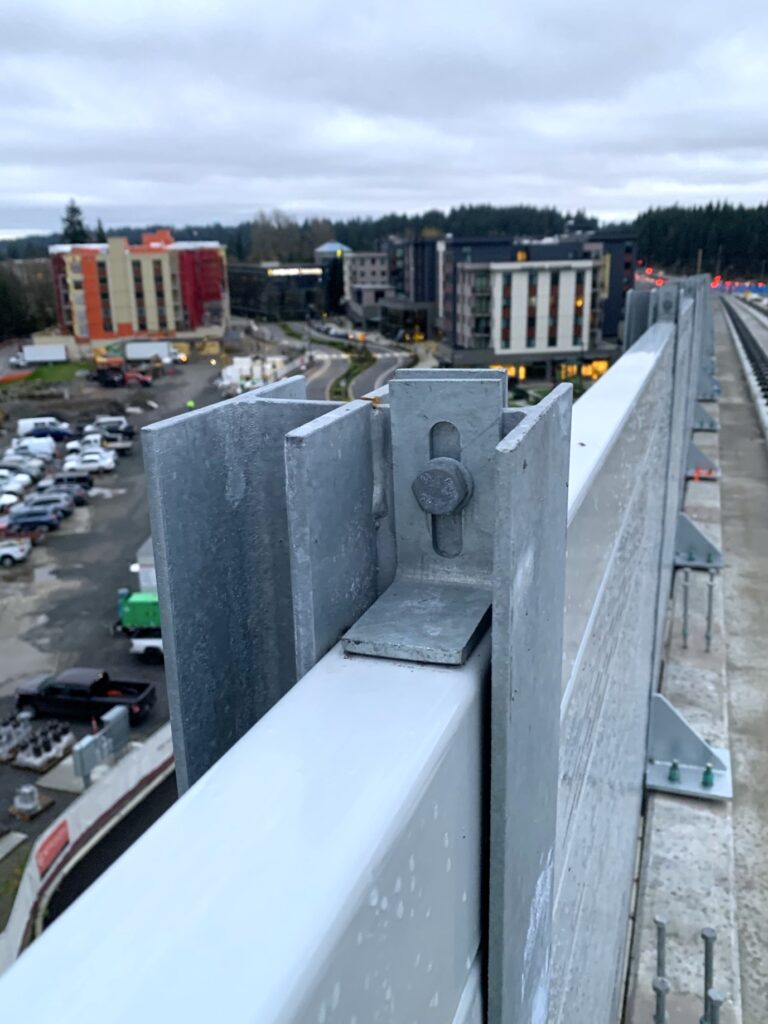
(720, 238)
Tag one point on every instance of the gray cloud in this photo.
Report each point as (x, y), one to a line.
(186, 111)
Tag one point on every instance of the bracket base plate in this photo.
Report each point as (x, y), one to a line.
(438, 623)
(657, 778)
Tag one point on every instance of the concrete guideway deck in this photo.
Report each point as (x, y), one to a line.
(706, 864)
(744, 461)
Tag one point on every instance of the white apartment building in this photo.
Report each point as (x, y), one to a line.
(528, 308)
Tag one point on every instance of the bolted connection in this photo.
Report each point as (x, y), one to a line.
(443, 487)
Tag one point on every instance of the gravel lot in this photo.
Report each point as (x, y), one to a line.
(57, 609)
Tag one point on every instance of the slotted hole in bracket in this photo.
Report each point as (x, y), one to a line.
(445, 442)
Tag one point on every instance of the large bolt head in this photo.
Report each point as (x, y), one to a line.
(443, 487)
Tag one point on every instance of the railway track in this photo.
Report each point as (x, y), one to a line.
(753, 350)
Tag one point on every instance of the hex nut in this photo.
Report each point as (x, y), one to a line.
(443, 487)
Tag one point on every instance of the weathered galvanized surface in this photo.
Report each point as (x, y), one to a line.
(442, 591)
(327, 868)
(529, 591)
(218, 514)
(340, 777)
(619, 451)
(331, 530)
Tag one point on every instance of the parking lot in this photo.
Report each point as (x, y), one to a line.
(57, 608)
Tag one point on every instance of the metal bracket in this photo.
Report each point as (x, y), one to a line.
(445, 429)
(692, 548)
(702, 420)
(699, 466)
(680, 761)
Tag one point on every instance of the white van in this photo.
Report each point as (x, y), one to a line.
(26, 426)
(42, 447)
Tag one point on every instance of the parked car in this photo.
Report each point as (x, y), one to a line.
(88, 442)
(22, 464)
(111, 439)
(72, 476)
(15, 483)
(84, 693)
(51, 499)
(39, 447)
(17, 361)
(35, 534)
(77, 493)
(117, 424)
(7, 500)
(14, 550)
(97, 461)
(56, 433)
(49, 424)
(23, 515)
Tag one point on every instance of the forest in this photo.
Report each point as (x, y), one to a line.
(732, 240)
(720, 237)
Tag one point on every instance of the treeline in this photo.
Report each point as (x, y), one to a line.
(26, 303)
(276, 236)
(732, 240)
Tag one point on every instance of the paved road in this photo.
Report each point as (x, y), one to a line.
(330, 365)
(744, 491)
(388, 359)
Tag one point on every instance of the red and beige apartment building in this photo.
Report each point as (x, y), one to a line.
(160, 288)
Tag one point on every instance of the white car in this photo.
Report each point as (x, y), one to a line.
(14, 482)
(14, 551)
(97, 461)
(116, 423)
(7, 500)
(89, 442)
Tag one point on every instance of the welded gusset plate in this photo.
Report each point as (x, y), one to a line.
(708, 389)
(699, 466)
(702, 420)
(680, 761)
(692, 549)
(414, 621)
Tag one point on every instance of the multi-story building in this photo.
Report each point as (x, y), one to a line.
(160, 288)
(413, 275)
(524, 312)
(277, 291)
(366, 284)
(330, 251)
(615, 248)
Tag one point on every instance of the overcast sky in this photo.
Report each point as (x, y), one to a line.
(190, 111)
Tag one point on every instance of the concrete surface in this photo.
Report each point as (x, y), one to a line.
(9, 841)
(688, 871)
(744, 486)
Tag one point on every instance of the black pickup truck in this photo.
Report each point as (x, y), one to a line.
(84, 693)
